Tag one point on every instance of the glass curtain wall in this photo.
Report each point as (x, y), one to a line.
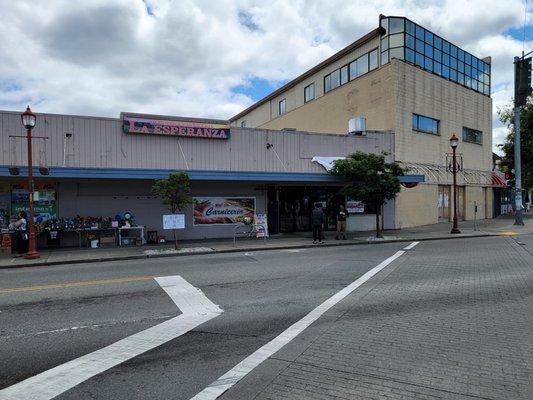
(408, 41)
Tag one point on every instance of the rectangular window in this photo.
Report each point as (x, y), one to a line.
(410, 41)
(327, 83)
(429, 38)
(419, 46)
(410, 27)
(437, 55)
(282, 107)
(362, 65)
(332, 80)
(309, 92)
(445, 47)
(396, 40)
(395, 25)
(428, 64)
(438, 43)
(344, 75)
(472, 136)
(420, 32)
(243, 124)
(397, 53)
(425, 124)
(461, 55)
(384, 57)
(353, 70)
(385, 44)
(410, 55)
(373, 59)
(419, 60)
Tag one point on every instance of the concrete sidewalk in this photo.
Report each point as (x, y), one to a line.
(499, 226)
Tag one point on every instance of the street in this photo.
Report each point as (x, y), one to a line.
(441, 319)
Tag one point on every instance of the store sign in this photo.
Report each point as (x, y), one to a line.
(44, 204)
(223, 210)
(147, 126)
(355, 207)
(174, 221)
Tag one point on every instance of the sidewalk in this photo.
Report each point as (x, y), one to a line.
(499, 226)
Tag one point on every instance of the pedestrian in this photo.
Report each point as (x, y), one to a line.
(341, 223)
(20, 226)
(317, 219)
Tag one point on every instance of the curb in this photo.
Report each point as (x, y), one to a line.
(246, 249)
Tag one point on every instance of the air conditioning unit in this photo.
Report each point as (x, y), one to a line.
(357, 126)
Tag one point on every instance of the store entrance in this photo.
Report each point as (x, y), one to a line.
(296, 204)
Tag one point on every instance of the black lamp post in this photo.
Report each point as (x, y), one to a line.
(454, 142)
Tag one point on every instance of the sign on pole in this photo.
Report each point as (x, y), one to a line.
(174, 221)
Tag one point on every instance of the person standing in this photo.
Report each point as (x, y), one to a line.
(317, 220)
(341, 223)
(20, 226)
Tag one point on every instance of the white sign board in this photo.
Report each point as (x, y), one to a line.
(174, 221)
(355, 207)
(261, 231)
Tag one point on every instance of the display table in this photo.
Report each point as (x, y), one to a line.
(125, 237)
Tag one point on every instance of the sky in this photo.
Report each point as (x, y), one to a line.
(213, 58)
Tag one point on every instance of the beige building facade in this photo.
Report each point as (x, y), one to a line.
(404, 79)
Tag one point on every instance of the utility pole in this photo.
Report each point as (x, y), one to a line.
(522, 84)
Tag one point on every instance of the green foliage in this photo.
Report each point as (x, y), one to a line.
(174, 191)
(506, 115)
(373, 180)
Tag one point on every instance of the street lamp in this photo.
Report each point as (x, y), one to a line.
(29, 120)
(454, 142)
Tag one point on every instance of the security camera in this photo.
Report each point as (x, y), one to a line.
(68, 135)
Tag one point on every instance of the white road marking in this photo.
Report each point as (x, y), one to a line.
(238, 372)
(196, 309)
(411, 246)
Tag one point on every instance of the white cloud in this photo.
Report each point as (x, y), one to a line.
(100, 57)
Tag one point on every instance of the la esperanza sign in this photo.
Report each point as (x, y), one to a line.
(150, 126)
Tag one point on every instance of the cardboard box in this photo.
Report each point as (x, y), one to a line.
(108, 241)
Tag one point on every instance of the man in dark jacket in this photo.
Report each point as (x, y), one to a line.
(317, 220)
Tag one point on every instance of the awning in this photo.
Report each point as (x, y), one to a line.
(498, 179)
(326, 162)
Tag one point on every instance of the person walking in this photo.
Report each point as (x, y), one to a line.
(317, 220)
(341, 223)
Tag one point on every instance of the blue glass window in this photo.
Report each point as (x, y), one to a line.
(445, 71)
(446, 59)
(461, 55)
(428, 51)
(468, 81)
(419, 60)
(429, 37)
(420, 32)
(385, 44)
(473, 73)
(453, 51)
(344, 75)
(446, 47)
(396, 53)
(453, 62)
(472, 135)
(438, 42)
(428, 64)
(396, 40)
(468, 70)
(437, 55)
(437, 68)
(453, 75)
(425, 124)
(486, 79)
(420, 46)
(384, 57)
(410, 27)
(486, 89)
(461, 66)
(373, 59)
(461, 78)
(395, 25)
(410, 55)
(410, 41)
(468, 59)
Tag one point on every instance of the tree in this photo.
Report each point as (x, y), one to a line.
(373, 181)
(506, 116)
(175, 193)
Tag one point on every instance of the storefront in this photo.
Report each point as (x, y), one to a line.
(100, 172)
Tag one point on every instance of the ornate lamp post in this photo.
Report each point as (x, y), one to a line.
(29, 120)
(454, 142)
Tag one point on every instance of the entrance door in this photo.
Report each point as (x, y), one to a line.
(444, 203)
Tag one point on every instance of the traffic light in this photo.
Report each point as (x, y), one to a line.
(522, 81)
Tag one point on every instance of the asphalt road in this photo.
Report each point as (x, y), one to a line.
(261, 293)
(51, 315)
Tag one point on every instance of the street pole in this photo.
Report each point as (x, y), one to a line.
(455, 228)
(518, 218)
(28, 120)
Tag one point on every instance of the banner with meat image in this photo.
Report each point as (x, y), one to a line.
(223, 210)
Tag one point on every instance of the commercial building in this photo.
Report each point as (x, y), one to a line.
(405, 79)
(105, 167)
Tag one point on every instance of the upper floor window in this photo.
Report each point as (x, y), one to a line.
(356, 68)
(282, 107)
(243, 124)
(425, 124)
(472, 135)
(309, 92)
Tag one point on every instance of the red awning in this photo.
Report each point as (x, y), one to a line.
(498, 179)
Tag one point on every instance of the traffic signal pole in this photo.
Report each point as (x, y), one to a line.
(523, 89)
